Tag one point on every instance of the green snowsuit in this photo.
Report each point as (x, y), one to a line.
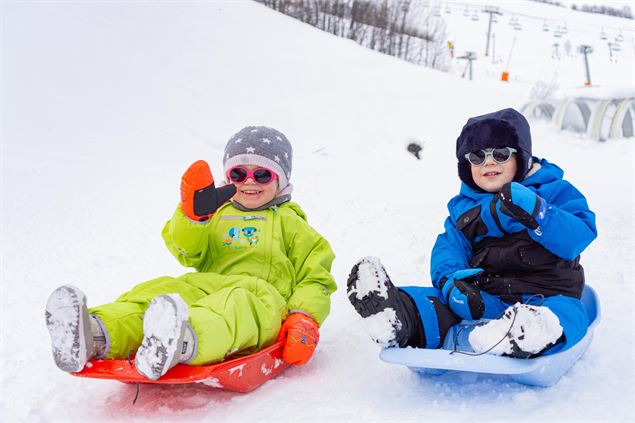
(252, 269)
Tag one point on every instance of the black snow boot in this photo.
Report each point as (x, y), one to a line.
(388, 314)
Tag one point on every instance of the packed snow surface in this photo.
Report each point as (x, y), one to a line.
(106, 104)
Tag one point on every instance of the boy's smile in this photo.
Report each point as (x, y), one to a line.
(491, 176)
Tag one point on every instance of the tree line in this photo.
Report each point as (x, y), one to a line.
(623, 12)
(406, 29)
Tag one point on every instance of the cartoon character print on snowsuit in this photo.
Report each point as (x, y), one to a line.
(251, 234)
(239, 238)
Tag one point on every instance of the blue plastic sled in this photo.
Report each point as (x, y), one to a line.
(540, 371)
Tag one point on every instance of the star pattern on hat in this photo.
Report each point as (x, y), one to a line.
(251, 150)
(238, 141)
(286, 156)
(278, 138)
(276, 158)
(266, 141)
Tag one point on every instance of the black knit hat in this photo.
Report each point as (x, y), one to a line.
(504, 128)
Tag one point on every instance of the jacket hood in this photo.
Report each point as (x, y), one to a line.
(503, 128)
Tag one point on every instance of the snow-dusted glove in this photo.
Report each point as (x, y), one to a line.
(302, 335)
(461, 295)
(522, 204)
(199, 197)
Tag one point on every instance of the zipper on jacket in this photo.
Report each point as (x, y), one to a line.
(248, 217)
(494, 213)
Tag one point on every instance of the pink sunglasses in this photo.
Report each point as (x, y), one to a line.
(261, 175)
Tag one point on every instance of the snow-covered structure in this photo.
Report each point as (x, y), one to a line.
(600, 115)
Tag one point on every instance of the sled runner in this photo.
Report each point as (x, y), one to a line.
(539, 371)
(241, 374)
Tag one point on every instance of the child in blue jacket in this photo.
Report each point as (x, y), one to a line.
(510, 255)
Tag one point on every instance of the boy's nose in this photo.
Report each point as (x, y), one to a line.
(489, 160)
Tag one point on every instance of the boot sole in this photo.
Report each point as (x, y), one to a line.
(375, 299)
(66, 320)
(163, 323)
(371, 294)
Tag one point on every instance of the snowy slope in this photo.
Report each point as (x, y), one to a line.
(106, 104)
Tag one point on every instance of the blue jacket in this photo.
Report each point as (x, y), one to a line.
(567, 229)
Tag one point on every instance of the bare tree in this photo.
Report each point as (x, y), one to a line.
(406, 29)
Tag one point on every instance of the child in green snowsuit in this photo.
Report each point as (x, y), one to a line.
(262, 273)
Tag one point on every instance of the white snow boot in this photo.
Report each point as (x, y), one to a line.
(534, 330)
(168, 339)
(76, 336)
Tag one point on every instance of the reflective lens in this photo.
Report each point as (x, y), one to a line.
(238, 174)
(262, 176)
(500, 155)
(476, 157)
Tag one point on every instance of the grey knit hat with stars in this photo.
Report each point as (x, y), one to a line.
(261, 146)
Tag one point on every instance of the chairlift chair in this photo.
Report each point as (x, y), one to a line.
(603, 35)
(545, 26)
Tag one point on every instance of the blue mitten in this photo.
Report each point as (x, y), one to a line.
(522, 204)
(461, 295)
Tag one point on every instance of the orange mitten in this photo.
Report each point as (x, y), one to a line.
(302, 335)
(199, 197)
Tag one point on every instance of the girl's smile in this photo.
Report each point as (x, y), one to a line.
(253, 195)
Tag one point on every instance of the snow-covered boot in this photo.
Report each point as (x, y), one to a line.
(388, 314)
(534, 330)
(168, 339)
(76, 336)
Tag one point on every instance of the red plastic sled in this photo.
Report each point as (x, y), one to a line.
(242, 374)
